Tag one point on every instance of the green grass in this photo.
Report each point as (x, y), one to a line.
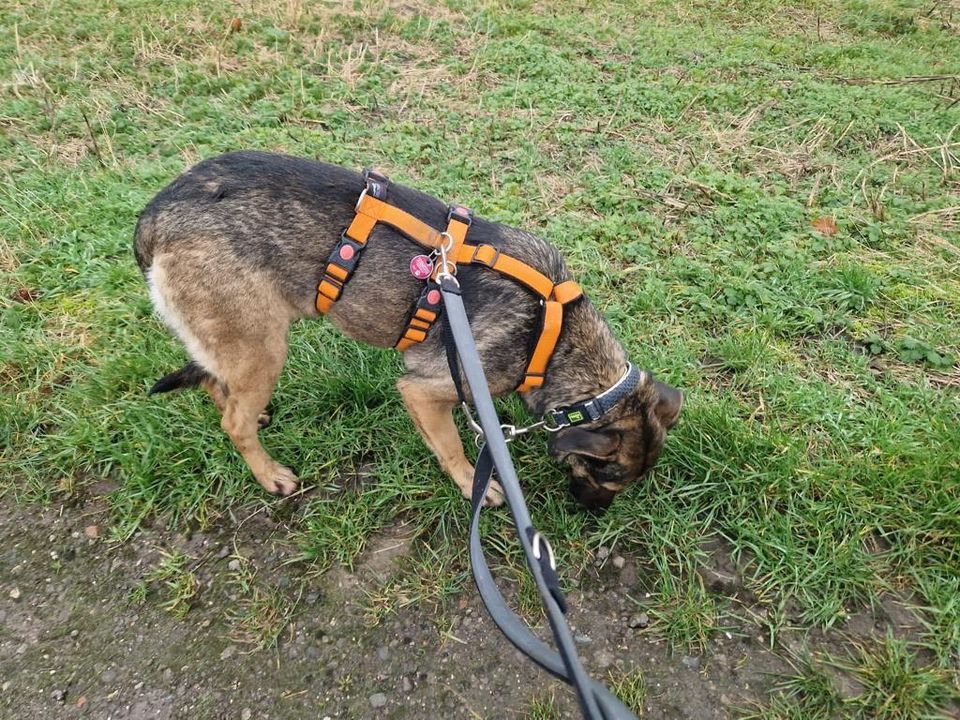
(678, 153)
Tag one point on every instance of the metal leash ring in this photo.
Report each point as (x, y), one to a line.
(539, 540)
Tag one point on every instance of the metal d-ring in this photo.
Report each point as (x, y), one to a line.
(535, 543)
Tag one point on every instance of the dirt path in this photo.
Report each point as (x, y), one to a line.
(74, 641)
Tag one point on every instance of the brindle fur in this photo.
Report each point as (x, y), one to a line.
(233, 251)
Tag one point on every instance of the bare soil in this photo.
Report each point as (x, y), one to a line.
(73, 643)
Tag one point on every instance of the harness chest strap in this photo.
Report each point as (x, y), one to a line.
(372, 209)
(427, 309)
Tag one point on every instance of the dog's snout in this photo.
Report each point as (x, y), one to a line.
(594, 498)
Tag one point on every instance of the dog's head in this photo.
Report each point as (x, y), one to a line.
(621, 447)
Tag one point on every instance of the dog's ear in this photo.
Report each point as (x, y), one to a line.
(576, 441)
(669, 402)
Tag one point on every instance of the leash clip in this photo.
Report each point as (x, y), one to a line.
(447, 268)
(510, 432)
(551, 415)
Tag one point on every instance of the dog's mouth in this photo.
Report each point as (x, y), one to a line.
(592, 497)
(590, 492)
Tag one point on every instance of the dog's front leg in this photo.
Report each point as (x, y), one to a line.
(431, 408)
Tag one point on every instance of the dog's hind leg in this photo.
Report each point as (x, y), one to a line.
(236, 331)
(249, 381)
(431, 409)
(218, 392)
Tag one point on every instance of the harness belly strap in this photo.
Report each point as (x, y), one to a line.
(371, 208)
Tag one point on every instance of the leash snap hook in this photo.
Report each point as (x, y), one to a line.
(447, 268)
(478, 434)
(551, 415)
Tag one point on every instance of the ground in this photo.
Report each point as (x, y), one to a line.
(80, 641)
(761, 197)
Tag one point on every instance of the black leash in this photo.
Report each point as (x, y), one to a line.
(596, 702)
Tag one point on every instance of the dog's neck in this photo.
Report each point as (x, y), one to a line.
(587, 361)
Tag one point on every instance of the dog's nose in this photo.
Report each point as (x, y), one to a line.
(592, 498)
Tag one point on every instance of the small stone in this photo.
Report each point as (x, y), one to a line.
(603, 553)
(640, 620)
(604, 659)
(383, 653)
(246, 714)
(91, 531)
(228, 652)
(719, 581)
(167, 675)
(223, 552)
(691, 662)
(618, 562)
(378, 700)
(74, 633)
(406, 684)
(15, 594)
(59, 696)
(312, 597)
(582, 639)
(108, 676)
(234, 564)
(5, 686)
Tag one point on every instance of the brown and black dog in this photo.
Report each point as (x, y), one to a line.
(233, 251)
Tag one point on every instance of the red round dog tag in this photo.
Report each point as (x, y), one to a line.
(421, 267)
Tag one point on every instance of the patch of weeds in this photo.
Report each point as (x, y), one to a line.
(911, 350)
(898, 685)
(261, 613)
(808, 694)
(138, 593)
(630, 687)
(430, 578)
(543, 707)
(685, 614)
(178, 582)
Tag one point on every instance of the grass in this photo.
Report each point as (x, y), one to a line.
(174, 579)
(762, 197)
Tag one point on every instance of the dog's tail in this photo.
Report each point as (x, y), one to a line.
(190, 375)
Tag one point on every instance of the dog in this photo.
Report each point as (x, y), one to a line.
(234, 250)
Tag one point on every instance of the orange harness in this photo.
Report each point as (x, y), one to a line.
(371, 208)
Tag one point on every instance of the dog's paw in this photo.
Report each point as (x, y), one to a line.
(494, 495)
(263, 419)
(279, 481)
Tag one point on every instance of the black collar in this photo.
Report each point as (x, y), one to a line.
(591, 410)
